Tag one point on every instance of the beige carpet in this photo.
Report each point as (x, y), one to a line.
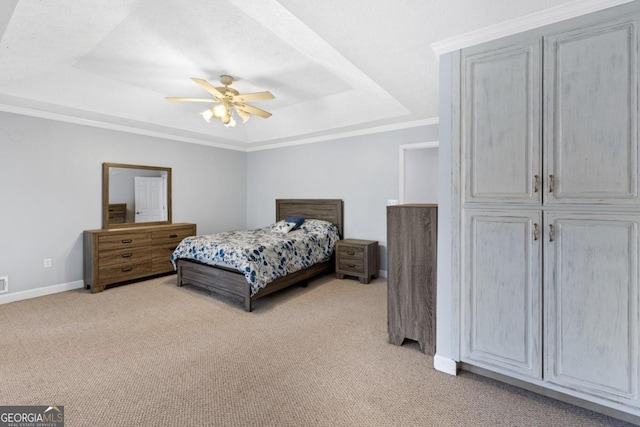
(153, 354)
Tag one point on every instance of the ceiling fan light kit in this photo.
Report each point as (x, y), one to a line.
(230, 101)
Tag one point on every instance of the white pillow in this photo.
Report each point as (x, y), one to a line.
(282, 226)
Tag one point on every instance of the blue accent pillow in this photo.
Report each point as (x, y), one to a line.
(297, 220)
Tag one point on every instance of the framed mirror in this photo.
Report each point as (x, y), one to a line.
(134, 195)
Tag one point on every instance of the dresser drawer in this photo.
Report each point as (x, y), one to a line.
(124, 256)
(351, 265)
(161, 258)
(172, 235)
(123, 240)
(122, 272)
(352, 252)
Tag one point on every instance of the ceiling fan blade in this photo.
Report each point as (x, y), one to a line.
(253, 110)
(243, 115)
(180, 99)
(208, 87)
(258, 96)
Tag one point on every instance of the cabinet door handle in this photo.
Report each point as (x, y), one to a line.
(536, 232)
(127, 255)
(173, 236)
(125, 241)
(552, 233)
(536, 183)
(551, 184)
(125, 269)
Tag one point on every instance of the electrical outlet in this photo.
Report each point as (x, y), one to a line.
(47, 263)
(4, 284)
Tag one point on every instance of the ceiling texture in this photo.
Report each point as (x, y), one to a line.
(336, 67)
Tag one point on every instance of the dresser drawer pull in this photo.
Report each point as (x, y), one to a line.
(351, 265)
(173, 236)
(127, 241)
(127, 255)
(125, 269)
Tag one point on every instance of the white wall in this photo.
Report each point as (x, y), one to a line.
(446, 351)
(51, 190)
(363, 171)
(421, 175)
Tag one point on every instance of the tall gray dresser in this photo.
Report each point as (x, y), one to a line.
(411, 269)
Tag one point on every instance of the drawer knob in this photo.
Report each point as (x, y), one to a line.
(125, 241)
(125, 269)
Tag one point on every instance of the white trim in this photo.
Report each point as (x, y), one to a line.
(403, 148)
(39, 292)
(382, 273)
(111, 126)
(444, 364)
(518, 25)
(139, 131)
(368, 131)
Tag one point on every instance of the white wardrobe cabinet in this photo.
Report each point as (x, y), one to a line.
(591, 303)
(549, 215)
(501, 116)
(591, 113)
(502, 303)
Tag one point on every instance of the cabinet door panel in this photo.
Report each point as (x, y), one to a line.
(501, 89)
(591, 310)
(502, 292)
(591, 114)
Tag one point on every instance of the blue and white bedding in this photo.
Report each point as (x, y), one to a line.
(264, 254)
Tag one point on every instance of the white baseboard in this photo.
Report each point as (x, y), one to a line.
(444, 364)
(39, 292)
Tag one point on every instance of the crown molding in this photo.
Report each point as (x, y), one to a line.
(350, 134)
(529, 22)
(7, 108)
(157, 134)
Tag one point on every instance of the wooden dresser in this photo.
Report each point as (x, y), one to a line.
(123, 254)
(411, 274)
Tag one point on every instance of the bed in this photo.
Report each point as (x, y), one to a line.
(233, 284)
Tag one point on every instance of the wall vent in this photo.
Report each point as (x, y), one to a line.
(4, 284)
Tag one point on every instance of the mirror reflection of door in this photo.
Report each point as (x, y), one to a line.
(419, 173)
(150, 203)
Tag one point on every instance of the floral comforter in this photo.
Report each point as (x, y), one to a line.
(263, 254)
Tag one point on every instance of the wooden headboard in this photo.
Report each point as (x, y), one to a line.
(325, 209)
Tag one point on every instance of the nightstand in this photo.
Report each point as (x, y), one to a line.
(357, 258)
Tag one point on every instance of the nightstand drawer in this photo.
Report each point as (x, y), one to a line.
(351, 265)
(352, 252)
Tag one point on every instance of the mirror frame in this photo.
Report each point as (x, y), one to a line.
(106, 167)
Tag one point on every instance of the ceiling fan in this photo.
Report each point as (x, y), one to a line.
(228, 100)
